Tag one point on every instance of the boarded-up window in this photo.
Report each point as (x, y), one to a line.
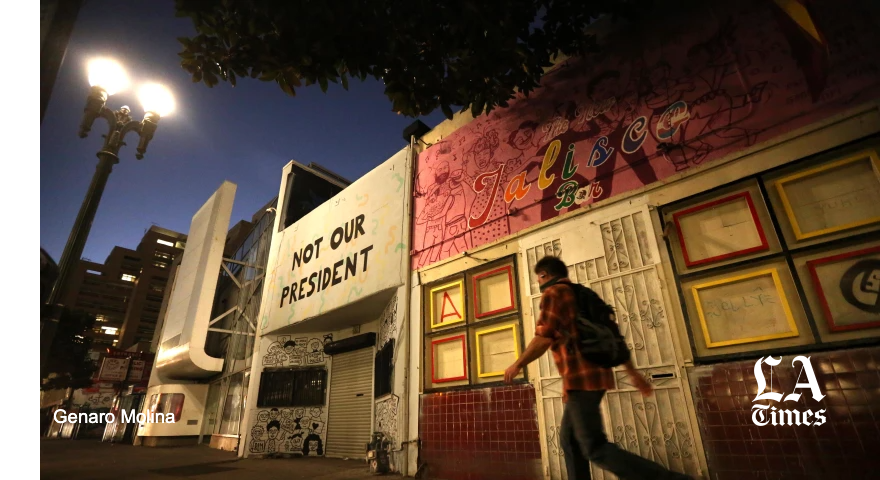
(300, 387)
(384, 369)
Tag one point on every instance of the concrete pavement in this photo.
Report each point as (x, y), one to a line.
(93, 460)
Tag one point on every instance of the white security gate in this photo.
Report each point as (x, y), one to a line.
(350, 410)
(617, 257)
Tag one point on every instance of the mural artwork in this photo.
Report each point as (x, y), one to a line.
(617, 121)
(386, 418)
(293, 351)
(295, 430)
(388, 327)
(298, 431)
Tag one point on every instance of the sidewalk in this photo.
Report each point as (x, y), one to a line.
(93, 460)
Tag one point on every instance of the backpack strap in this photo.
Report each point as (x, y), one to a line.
(579, 292)
(589, 301)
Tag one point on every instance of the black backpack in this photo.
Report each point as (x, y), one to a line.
(599, 339)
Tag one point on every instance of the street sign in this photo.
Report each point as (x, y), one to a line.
(114, 369)
(137, 370)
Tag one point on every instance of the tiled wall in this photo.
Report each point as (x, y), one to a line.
(846, 447)
(480, 434)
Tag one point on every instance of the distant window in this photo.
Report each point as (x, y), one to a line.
(134, 259)
(110, 330)
(160, 265)
(128, 278)
(180, 245)
(165, 242)
(305, 192)
(94, 272)
(303, 387)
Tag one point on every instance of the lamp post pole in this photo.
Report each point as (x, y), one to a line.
(120, 123)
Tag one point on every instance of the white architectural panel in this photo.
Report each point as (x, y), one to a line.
(182, 354)
(350, 248)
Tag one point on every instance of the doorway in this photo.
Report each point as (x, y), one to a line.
(350, 409)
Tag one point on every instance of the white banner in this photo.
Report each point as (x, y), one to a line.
(352, 246)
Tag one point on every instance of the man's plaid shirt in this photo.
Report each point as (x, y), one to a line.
(556, 322)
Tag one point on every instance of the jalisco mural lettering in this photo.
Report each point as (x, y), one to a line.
(617, 121)
(348, 248)
(298, 431)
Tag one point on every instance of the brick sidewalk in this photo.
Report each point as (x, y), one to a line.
(93, 460)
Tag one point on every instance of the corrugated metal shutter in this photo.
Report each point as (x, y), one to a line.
(351, 404)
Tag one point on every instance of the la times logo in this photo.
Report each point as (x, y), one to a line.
(765, 414)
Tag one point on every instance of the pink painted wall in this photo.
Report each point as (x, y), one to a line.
(699, 88)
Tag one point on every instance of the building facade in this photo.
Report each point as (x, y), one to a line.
(714, 176)
(181, 378)
(219, 317)
(125, 292)
(57, 19)
(156, 255)
(330, 362)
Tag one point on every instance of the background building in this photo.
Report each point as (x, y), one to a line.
(125, 292)
(220, 325)
(331, 341)
(57, 18)
(48, 274)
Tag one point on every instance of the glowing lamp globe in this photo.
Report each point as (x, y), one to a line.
(107, 74)
(156, 99)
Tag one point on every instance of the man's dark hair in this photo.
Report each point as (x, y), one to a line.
(552, 266)
(273, 423)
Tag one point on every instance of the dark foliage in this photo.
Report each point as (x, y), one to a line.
(69, 365)
(429, 54)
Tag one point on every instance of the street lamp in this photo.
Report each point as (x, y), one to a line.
(106, 78)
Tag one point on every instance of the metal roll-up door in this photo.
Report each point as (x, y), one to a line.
(349, 421)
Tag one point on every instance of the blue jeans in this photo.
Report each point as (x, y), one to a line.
(583, 441)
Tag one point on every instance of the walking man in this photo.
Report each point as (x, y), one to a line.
(584, 384)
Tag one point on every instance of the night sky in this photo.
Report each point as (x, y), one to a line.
(244, 134)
